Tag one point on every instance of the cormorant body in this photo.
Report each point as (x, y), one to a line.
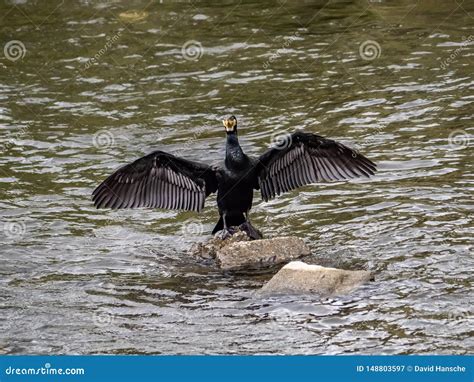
(161, 180)
(236, 180)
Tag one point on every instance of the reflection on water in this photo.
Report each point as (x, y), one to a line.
(88, 86)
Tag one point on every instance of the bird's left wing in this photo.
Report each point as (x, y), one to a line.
(304, 158)
(157, 180)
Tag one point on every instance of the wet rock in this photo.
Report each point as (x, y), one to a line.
(263, 253)
(299, 277)
(209, 249)
(240, 253)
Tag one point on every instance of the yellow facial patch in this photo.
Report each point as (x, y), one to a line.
(229, 124)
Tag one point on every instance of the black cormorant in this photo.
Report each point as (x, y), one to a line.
(162, 180)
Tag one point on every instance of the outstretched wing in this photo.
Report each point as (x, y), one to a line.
(304, 158)
(157, 180)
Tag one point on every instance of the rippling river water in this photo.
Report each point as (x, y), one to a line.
(88, 86)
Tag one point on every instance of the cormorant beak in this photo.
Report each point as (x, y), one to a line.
(230, 124)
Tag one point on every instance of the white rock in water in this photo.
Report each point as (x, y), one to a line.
(240, 253)
(299, 277)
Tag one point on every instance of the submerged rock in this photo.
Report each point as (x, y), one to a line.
(238, 252)
(299, 277)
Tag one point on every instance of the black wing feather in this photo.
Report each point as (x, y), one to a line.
(157, 180)
(308, 158)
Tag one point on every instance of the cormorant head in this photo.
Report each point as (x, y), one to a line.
(230, 124)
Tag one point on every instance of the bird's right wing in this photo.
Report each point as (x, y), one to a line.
(157, 180)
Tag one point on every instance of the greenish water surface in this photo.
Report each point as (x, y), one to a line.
(87, 86)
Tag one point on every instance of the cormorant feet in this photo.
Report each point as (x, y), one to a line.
(252, 232)
(249, 229)
(224, 234)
